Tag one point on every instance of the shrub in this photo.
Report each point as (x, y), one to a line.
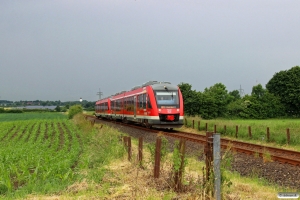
(74, 110)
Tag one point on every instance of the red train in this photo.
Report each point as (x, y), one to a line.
(153, 104)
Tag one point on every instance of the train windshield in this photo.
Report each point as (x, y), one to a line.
(167, 99)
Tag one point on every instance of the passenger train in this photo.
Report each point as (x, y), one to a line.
(153, 104)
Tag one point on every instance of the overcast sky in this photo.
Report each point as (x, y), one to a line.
(67, 49)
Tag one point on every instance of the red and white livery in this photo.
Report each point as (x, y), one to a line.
(154, 104)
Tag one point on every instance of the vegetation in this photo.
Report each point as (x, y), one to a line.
(87, 105)
(30, 116)
(285, 84)
(47, 155)
(277, 128)
(74, 110)
(280, 99)
(72, 159)
(38, 156)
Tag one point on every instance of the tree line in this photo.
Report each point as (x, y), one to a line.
(280, 98)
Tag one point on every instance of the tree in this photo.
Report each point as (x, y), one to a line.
(235, 94)
(191, 99)
(258, 91)
(286, 85)
(57, 109)
(260, 105)
(214, 101)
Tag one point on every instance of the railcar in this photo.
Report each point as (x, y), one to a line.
(153, 104)
(103, 108)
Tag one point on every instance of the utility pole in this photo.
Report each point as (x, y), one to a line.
(241, 91)
(100, 93)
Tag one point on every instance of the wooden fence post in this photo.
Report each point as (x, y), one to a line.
(129, 148)
(125, 141)
(215, 128)
(178, 174)
(236, 131)
(193, 123)
(208, 153)
(140, 155)
(268, 134)
(157, 157)
(249, 131)
(206, 126)
(225, 128)
(288, 135)
(199, 125)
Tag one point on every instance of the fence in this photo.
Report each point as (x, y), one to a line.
(247, 132)
(210, 154)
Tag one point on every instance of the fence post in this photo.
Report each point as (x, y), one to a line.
(193, 123)
(157, 157)
(198, 125)
(129, 148)
(140, 155)
(249, 131)
(178, 174)
(225, 128)
(215, 128)
(205, 126)
(268, 134)
(236, 131)
(125, 141)
(288, 135)
(217, 164)
(208, 154)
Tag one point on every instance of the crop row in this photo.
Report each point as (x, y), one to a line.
(37, 152)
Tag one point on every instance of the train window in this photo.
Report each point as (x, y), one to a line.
(140, 101)
(144, 101)
(149, 103)
(167, 99)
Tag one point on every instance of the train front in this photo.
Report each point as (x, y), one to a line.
(169, 103)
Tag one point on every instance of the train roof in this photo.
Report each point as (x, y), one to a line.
(156, 85)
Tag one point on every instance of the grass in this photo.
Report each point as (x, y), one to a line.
(102, 170)
(6, 117)
(277, 129)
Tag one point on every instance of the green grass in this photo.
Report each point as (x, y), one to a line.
(277, 129)
(6, 117)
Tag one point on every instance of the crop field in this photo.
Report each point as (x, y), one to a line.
(38, 152)
(6, 117)
(277, 129)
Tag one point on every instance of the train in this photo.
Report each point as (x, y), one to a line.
(153, 104)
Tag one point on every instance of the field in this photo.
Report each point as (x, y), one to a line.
(6, 117)
(37, 154)
(46, 156)
(277, 129)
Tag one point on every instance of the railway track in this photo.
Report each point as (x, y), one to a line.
(276, 154)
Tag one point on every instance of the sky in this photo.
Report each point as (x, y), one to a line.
(70, 49)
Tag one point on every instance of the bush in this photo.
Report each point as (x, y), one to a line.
(74, 110)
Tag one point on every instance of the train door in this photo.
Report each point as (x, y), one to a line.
(134, 106)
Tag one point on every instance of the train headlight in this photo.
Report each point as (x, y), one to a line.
(159, 110)
(177, 110)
